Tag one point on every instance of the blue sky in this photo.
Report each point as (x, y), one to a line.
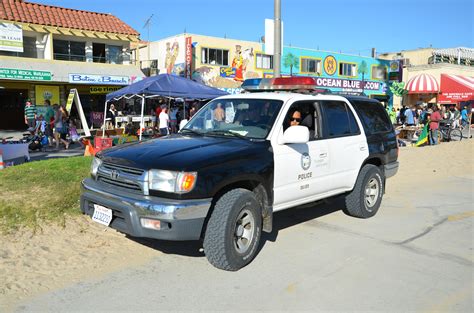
(336, 25)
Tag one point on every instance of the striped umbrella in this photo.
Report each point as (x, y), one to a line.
(423, 83)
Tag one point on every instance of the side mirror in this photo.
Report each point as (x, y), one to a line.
(183, 123)
(296, 134)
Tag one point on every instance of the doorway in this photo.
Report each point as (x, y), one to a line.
(12, 103)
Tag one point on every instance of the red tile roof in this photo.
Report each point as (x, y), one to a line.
(34, 13)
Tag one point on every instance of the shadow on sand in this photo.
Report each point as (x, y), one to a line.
(281, 220)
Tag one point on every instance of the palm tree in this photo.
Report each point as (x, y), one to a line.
(291, 61)
(363, 69)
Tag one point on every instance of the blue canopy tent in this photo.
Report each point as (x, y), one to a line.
(165, 85)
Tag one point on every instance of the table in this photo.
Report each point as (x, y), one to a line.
(11, 151)
(135, 119)
(407, 132)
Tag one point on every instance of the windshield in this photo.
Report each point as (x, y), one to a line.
(245, 118)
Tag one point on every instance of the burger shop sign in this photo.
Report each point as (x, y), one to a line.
(346, 83)
(98, 79)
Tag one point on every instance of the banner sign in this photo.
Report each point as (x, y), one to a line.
(346, 84)
(228, 72)
(44, 92)
(102, 90)
(98, 79)
(189, 57)
(11, 37)
(70, 99)
(97, 118)
(10, 73)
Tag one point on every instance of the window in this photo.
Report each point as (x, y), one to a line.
(311, 66)
(29, 49)
(114, 54)
(374, 117)
(347, 69)
(379, 72)
(102, 53)
(215, 56)
(98, 52)
(264, 61)
(309, 117)
(69, 50)
(338, 120)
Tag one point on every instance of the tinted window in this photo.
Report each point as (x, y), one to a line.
(373, 116)
(339, 120)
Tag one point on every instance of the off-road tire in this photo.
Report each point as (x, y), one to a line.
(220, 238)
(358, 202)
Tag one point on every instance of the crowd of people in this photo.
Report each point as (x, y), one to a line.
(53, 127)
(431, 115)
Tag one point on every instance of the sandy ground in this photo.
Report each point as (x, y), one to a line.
(31, 264)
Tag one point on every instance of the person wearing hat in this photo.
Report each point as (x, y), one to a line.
(30, 114)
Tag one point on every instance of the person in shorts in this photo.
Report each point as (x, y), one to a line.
(30, 114)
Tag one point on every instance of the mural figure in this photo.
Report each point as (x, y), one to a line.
(171, 56)
(240, 61)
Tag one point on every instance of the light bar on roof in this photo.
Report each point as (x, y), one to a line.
(280, 83)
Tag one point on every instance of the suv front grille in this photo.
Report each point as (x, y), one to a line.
(126, 178)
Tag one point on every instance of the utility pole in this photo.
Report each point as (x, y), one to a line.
(277, 40)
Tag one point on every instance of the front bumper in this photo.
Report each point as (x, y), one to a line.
(391, 169)
(180, 219)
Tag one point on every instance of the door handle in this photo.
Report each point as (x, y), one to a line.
(323, 155)
(362, 148)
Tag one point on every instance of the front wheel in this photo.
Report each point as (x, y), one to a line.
(234, 230)
(365, 199)
(455, 135)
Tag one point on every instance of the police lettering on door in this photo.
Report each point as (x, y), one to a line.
(305, 165)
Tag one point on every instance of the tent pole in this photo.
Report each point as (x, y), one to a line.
(142, 124)
(105, 115)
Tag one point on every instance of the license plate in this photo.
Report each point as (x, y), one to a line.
(102, 215)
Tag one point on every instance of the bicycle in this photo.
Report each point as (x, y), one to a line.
(447, 133)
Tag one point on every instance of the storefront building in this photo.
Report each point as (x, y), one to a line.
(224, 63)
(442, 76)
(45, 51)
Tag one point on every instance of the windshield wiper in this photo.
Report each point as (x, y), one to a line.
(191, 131)
(226, 132)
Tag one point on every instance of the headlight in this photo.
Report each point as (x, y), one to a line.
(96, 162)
(169, 181)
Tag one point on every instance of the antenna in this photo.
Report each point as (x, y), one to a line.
(147, 26)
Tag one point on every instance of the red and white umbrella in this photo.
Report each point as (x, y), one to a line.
(423, 83)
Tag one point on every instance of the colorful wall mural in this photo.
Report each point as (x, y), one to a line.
(226, 63)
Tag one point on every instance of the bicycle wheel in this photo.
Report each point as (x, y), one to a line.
(455, 135)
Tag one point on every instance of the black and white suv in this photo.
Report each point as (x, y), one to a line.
(239, 159)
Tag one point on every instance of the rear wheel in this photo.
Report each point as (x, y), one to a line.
(365, 199)
(455, 135)
(234, 230)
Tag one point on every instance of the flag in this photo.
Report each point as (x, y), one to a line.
(423, 138)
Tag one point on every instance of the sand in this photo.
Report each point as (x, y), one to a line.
(55, 257)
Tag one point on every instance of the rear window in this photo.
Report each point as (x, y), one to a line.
(374, 117)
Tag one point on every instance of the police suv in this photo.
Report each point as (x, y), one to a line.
(240, 159)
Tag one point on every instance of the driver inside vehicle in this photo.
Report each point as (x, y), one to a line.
(295, 118)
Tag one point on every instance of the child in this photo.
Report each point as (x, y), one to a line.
(73, 135)
(40, 126)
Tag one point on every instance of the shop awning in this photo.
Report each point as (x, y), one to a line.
(456, 88)
(422, 83)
